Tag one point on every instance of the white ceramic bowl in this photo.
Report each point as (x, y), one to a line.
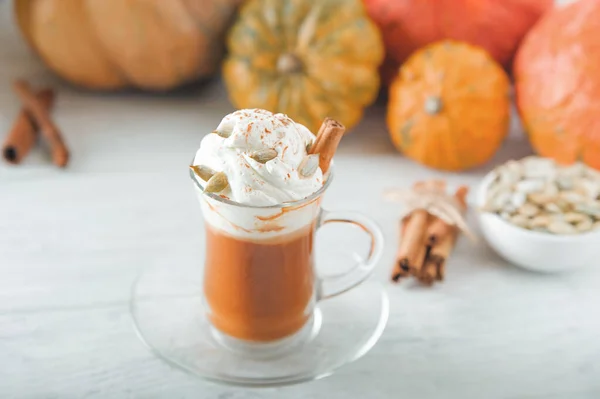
(537, 251)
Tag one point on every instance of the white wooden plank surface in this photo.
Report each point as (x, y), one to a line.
(72, 242)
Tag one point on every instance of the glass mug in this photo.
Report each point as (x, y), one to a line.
(260, 283)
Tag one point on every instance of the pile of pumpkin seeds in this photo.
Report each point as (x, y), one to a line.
(537, 194)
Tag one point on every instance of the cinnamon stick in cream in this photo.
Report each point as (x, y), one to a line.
(326, 143)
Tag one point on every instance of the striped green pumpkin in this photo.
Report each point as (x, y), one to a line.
(308, 59)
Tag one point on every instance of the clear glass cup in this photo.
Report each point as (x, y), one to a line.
(261, 285)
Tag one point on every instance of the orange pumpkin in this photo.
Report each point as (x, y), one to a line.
(449, 106)
(557, 74)
(305, 58)
(496, 25)
(110, 44)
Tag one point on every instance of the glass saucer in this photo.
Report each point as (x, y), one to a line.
(168, 312)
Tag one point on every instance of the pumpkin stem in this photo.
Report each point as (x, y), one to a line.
(289, 63)
(433, 105)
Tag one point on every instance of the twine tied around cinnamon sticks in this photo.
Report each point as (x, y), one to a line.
(430, 223)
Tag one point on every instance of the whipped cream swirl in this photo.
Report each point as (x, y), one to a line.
(251, 182)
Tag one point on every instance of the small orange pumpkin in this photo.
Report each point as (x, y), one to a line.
(557, 83)
(449, 106)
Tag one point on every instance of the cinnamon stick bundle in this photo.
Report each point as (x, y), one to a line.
(427, 241)
(60, 153)
(23, 134)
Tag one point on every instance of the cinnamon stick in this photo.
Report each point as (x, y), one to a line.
(441, 270)
(60, 153)
(326, 143)
(411, 252)
(429, 272)
(441, 252)
(401, 270)
(438, 229)
(23, 134)
(324, 124)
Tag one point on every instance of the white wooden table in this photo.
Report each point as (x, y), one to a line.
(72, 242)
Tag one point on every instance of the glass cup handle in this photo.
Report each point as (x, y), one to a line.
(334, 285)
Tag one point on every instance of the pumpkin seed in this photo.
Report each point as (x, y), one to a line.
(493, 192)
(217, 183)
(528, 210)
(585, 225)
(510, 208)
(264, 156)
(573, 171)
(509, 174)
(222, 133)
(559, 227)
(592, 174)
(592, 210)
(553, 207)
(520, 220)
(540, 221)
(571, 196)
(537, 167)
(565, 183)
(551, 189)
(530, 186)
(574, 217)
(499, 201)
(204, 172)
(309, 165)
(518, 199)
(564, 205)
(587, 188)
(540, 198)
